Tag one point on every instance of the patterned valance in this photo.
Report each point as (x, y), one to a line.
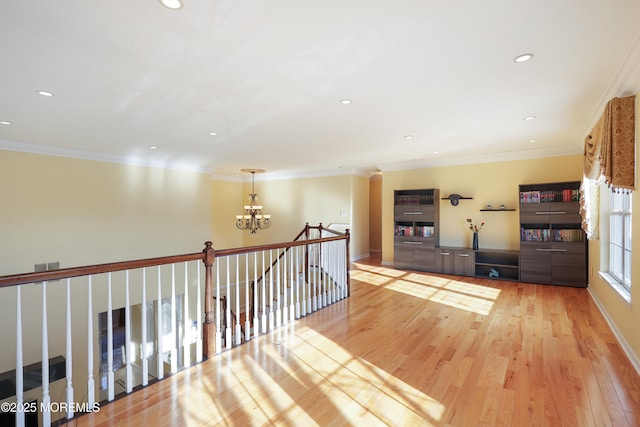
(609, 149)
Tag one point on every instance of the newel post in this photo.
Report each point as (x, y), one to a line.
(348, 234)
(208, 328)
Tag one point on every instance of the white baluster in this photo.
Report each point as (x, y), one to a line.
(271, 313)
(160, 333)
(91, 388)
(110, 375)
(315, 280)
(306, 274)
(19, 361)
(143, 353)
(323, 275)
(263, 294)
(238, 331)
(339, 287)
(278, 291)
(339, 270)
(46, 399)
(256, 329)
(285, 308)
(331, 282)
(227, 313)
(127, 336)
(292, 313)
(344, 262)
(174, 308)
(186, 357)
(198, 316)
(247, 305)
(69, 356)
(298, 288)
(217, 309)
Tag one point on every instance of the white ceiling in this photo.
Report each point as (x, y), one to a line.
(268, 77)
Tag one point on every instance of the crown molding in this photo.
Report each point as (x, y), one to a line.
(91, 156)
(488, 158)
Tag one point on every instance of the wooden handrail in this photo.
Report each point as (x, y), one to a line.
(65, 273)
(237, 251)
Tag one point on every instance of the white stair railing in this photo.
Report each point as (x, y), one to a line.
(263, 287)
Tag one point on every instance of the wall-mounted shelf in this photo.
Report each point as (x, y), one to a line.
(459, 198)
(455, 198)
(497, 210)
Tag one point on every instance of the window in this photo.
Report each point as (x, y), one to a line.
(620, 237)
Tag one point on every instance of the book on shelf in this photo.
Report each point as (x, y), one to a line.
(404, 230)
(414, 199)
(549, 196)
(424, 231)
(548, 235)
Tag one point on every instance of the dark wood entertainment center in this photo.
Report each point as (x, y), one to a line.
(553, 247)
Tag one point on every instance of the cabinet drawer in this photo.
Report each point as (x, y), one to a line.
(414, 213)
(550, 213)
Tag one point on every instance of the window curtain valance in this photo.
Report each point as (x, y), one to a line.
(609, 155)
(609, 150)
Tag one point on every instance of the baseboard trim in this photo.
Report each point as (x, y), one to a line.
(626, 348)
(359, 257)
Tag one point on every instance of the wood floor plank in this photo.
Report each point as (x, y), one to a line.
(409, 348)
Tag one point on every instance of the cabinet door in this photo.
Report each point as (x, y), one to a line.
(402, 255)
(424, 255)
(535, 262)
(568, 264)
(465, 263)
(445, 261)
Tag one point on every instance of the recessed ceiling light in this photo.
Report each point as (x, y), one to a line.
(345, 101)
(532, 141)
(153, 147)
(172, 4)
(435, 152)
(528, 118)
(523, 58)
(408, 137)
(44, 93)
(213, 134)
(5, 123)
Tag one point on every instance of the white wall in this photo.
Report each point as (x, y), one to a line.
(79, 213)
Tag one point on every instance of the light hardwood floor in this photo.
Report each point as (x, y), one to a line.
(406, 349)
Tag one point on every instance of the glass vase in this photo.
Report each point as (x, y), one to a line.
(475, 241)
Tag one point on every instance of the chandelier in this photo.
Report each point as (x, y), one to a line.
(253, 219)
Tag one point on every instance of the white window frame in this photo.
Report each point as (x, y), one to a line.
(616, 242)
(620, 237)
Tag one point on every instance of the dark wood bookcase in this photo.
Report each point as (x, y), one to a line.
(416, 226)
(553, 246)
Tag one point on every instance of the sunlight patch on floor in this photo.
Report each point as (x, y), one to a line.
(443, 290)
(380, 270)
(370, 277)
(472, 289)
(372, 394)
(464, 302)
(410, 288)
